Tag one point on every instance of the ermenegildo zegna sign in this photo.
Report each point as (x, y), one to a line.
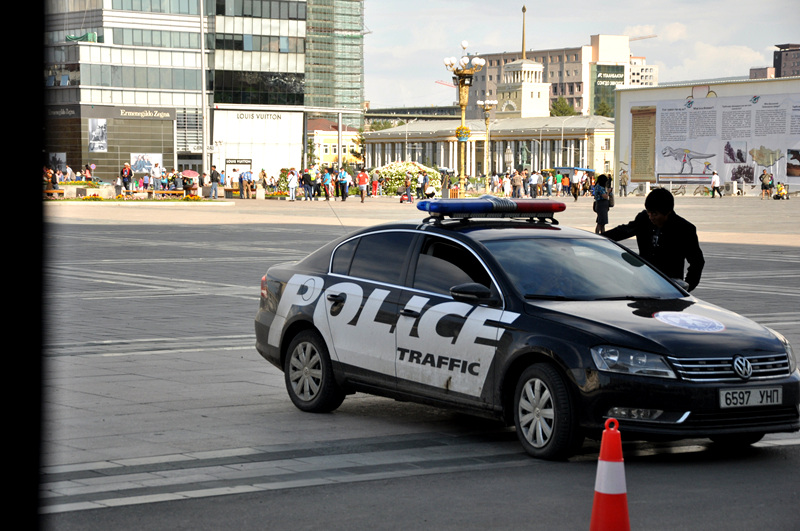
(100, 111)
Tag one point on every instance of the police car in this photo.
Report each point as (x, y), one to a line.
(549, 328)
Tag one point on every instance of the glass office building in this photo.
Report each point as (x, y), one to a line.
(124, 77)
(335, 55)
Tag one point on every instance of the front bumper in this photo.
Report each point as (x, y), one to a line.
(689, 409)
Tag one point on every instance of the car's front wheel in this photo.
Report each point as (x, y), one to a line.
(309, 375)
(544, 415)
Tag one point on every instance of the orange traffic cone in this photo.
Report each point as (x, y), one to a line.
(610, 508)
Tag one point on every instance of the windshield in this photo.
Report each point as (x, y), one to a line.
(578, 269)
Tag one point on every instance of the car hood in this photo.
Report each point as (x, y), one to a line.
(685, 327)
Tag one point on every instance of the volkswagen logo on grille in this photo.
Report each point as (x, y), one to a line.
(742, 367)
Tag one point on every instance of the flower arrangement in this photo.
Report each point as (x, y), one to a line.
(93, 197)
(462, 133)
(84, 184)
(394, 175)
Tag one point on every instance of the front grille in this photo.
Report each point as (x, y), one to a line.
(765, 366)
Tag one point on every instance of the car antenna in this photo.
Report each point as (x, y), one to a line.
(334, 213)
(330, 205)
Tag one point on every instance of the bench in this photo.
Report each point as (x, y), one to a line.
(55, 193)
(153, 194)
(230, 191)
(166, 193)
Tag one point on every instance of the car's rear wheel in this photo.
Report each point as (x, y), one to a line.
(544, 415)
(309, 374)
(737, 440)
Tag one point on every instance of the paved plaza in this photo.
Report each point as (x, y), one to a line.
(154, 392)
(737, 219)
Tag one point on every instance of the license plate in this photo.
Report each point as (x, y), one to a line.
(759, 396)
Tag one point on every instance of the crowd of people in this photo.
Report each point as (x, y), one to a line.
(770, 189)
(313, 183)
(309, 183)
(520, 184)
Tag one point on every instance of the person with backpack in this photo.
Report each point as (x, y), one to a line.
(127, 176)
(766, 180)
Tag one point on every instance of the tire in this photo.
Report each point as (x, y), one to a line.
(737, 440)
(309, 375)
(544, 414)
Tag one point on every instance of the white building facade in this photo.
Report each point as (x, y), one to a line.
(537, 143)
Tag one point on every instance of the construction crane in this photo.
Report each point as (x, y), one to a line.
(445, 83)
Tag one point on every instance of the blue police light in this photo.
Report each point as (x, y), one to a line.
(488, 206)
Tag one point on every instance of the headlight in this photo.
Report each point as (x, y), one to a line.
(626, 361)
(788, 348)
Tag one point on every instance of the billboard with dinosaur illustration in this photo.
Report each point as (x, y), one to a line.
(736, 129)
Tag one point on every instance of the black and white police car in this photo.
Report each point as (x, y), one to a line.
(549, 328)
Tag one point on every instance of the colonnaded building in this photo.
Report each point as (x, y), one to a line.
(536, 143)
(139, 81)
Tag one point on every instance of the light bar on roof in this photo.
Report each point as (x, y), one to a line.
(488, 206)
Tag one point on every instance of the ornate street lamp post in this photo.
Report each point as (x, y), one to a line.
(463, 80)
(487, 107)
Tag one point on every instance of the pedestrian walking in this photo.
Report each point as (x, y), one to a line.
(292, 182)
(715, 185)
(601, 203)
(362, 180)
(623, 183)
(376, 175)
(127, 176)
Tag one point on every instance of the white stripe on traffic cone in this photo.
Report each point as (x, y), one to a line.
(610, 507)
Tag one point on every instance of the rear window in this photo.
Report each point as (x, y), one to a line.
(380, 257)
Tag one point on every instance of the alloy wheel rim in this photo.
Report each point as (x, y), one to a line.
(305, 371)
(536, 413)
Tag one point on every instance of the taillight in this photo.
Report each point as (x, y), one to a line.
(264, 287)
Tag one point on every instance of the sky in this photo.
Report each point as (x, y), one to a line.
(700, 39)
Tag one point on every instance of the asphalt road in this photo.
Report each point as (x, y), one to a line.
(160, 414)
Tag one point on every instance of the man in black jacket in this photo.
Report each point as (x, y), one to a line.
(665, 239)
(215, 178)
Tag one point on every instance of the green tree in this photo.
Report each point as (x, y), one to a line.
(604, 109)
(562, 108)
(360, 142)
(311, 152)
(379, 125)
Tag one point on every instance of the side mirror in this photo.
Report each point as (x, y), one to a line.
(473, 293)
(681, 284)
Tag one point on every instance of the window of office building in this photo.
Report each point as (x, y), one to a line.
(266, 88)
(175, 7)
(156, 38)
(262, 9)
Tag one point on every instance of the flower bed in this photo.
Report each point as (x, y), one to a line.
(394, 175)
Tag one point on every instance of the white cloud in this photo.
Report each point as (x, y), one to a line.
(697, 39)
(639, 31)
(673, 32)
(707, 61)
